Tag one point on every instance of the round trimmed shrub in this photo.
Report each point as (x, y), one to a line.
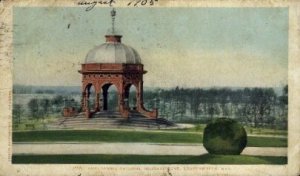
(224, 136)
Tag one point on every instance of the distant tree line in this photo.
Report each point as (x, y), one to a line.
(252, 106)
(257, 107)
(44, 91)
(40, 108)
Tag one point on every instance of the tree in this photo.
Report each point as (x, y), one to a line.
(224, 100)
(212, 96)
(261, 101)
(45, 105)
(251, 105)
(33, 106)
(283, 104)
(284, 98)
(180, 101)
(17, 113)
(195, 97)
(57, 102)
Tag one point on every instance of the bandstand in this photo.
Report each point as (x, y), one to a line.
(113, 63)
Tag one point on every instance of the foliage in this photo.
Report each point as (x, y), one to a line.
(257, 107)
(283, 103)
(17, 113)
(45, 105)
(224, 136)
(57, 103)
(42, 107)
(33, 106)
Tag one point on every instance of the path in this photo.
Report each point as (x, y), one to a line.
(160, 131)
(132, 149)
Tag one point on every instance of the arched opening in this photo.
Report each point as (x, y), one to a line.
(109, 98)
(91, 96)
(131, 97)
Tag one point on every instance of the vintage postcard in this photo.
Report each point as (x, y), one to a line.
(149, 87)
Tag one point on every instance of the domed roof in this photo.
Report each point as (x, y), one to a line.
(113, 51)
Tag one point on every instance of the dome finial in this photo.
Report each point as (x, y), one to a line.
(112, 34)
(113, 16)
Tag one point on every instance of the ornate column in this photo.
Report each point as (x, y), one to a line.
(139, 98)
(122, 108)
(83, 101)
(97, 105)
(120, 101)
(87, 107)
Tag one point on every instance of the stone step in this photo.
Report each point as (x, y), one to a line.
(114, 120)
(106, 119)
(85, 123)
(106, 125)
(93, 119)
(109, 125)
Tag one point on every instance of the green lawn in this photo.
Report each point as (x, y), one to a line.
(265, 131)
(249, 130)
(254, 141)
(147, 159)
(106, 136)
(131, 136)
(30, 123)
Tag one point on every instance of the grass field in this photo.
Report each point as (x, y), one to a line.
(106, 136)
(131, 136)
(147, 159)
(34, 124)
(254, 141)
(249, 130)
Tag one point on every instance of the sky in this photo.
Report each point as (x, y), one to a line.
(185, 47)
